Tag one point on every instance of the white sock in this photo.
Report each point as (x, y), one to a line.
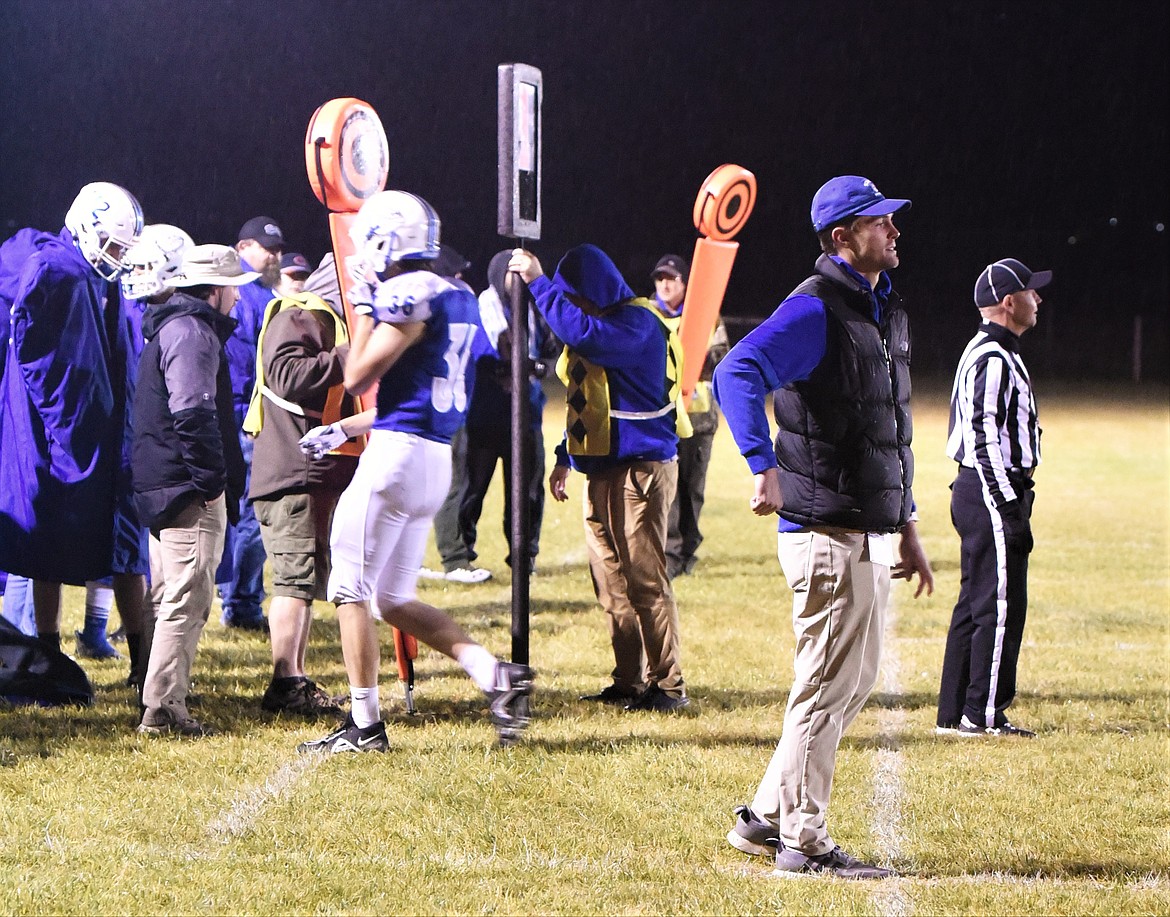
(99, 599)
(363, 706)
(480, 665)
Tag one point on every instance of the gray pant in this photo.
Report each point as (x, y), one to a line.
(183, 558)
(838, 612)
(448, 538)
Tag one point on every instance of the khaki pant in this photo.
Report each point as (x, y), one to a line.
(183, 558)
(625, 532)
(838, 613)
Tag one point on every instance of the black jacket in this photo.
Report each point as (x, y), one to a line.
(186, 445)
(844, 433)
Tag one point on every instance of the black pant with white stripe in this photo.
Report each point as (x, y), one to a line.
(987, 627)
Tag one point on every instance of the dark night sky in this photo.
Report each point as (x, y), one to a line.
(1012, 126)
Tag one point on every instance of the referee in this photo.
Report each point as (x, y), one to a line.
(995, 438)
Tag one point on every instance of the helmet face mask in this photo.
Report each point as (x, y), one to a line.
(104, 220)
(391, 226)
(152, 261)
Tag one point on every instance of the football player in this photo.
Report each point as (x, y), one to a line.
(417, 337)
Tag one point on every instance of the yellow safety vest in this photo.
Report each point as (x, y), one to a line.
(254, 419)
(587, 402)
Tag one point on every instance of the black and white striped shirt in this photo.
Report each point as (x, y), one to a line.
(993, 426)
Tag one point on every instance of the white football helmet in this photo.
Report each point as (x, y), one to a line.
(152, 261)
(392, 226)
(104, 219)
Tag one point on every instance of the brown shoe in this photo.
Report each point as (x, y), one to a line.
(161, 721)
(299, 695)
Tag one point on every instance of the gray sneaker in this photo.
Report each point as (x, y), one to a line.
(161, 721)
(752, 835)
(792, 864)
(510, 701)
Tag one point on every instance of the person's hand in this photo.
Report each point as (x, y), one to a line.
(525, 264)
(321, 440)
(767, 499)
(912, 561)
(1017, 528)
(556, 483)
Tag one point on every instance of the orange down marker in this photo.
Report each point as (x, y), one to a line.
(724, 203)
(347, 157)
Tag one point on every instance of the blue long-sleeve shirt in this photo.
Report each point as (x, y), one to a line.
(785, 348)
(241, 346)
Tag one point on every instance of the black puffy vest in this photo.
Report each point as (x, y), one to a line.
(844, 434)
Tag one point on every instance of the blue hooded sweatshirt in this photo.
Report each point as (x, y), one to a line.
(628, 341)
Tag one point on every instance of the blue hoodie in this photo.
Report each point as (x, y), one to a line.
(628, 341)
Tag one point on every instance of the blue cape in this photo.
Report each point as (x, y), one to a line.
(63, 420)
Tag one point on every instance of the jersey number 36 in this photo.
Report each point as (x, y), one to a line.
(451, 392)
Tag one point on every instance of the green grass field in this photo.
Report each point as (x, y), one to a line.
(602, 811)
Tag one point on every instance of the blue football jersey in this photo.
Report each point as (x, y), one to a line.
(427, 391)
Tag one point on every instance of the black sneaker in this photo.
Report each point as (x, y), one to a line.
(1007, 729)
(794, 864)
(509, 699)
(350, 737)
(969, 729)
(656, 700)
(613, 694)
(299, 695)
(752, 835)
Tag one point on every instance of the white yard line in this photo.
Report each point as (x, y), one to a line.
(888, 896)
(238, 818)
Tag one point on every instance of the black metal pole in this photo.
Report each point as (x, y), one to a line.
(522, 449)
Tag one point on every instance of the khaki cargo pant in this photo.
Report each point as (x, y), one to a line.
(183, 558)
(838, 614)
(625, 532)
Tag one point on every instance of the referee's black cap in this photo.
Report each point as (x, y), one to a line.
(1005, 277)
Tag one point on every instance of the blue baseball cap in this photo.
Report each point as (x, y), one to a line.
(850, 196)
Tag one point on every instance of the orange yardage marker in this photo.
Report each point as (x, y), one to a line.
(348, 160)
(724, 204)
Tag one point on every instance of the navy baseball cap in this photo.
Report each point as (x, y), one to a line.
(850, 196)
(295, 263)
(672, 266)
(263, 230)
(1005, 277)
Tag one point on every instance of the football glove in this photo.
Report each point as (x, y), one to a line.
(321, 440)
